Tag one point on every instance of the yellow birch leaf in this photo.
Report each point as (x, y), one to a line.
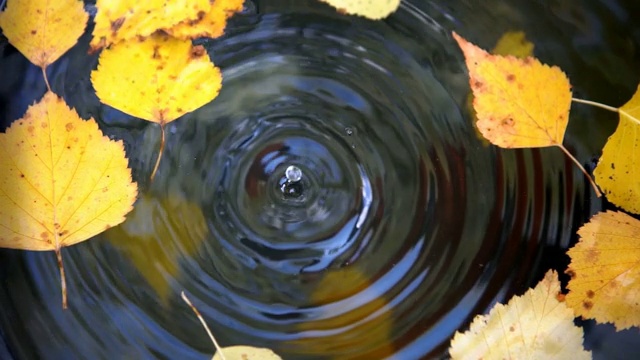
(520, 103)
(246, 353)
(510, 43)
(371, 9)
(158, 233)
(532, 326)
(43, 30)
(211, 24)
(605, 270)
(158, 78)
(62, 181)
(618, 170)
(129, 19)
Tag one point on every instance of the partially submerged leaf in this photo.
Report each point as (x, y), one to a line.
(605, 270)
(157, 79)
(43, 30)
(62, 181)
(618, 171)
(532, 326)
(130, 19)
(158, 234)
(211, 24)
(371, 9)
(520, 103)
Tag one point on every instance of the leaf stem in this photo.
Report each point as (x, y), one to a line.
(160, 151)
(596, 104)
(46, 80)
(63, 281)
(215, 343)
(591, 181)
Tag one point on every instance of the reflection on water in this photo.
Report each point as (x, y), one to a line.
(333, 201)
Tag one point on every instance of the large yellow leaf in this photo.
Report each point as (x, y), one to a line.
(158, 78)
(618, 171)
(519, 102)
(371, 9)
(211, 24)
(532, 326)
(62, 181)
(158, 234)
(605, 270)
(119, 20)
(43, 30)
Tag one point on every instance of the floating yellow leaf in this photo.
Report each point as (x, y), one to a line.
(232, 352)
(159, 78)
(129, 19)
(532, 326)
(510, 43)
(211, 24)
(605, 270)
(43, 30)
(371, 9)
(158, 233)
(246, 353)
(618, 171)
(519, 102)
(62, 181)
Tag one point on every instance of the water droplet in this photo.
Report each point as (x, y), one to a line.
(349, 131)
(293, 173)
(292, 189)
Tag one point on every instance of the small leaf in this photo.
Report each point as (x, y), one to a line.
(605, 270)
(232, 352)
(62, 181)
(130, 19)
(211, 24)
(43, 30)
(532, 326)
(618, 170)
(371, 9)
(158, 234)
(157, 79)
(246, 353)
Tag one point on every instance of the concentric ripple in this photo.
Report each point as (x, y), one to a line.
(334, 201)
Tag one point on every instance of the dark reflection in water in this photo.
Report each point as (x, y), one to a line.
(399, 228)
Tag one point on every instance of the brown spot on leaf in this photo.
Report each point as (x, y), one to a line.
(44, 235)
(587, 305)
(477, 85)
(197, 51)
(511, 328)
(117, 24)
(511, 77)
(156, 52)
(560, 297)
(33, 32)
(592, 255)
(69, 126)
(30, 130)
(44, 125)
(571, 273)
(590, 294)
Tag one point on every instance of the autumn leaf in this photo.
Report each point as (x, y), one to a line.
(532, 326)
(157, 79)
(211, 24)
(371, 9)
(605, 270)
(240, 352)
(62, 181)
(520, 103)
(510, 43)
(618, 170)
(158, 233)
(117, 21)
(43, 30)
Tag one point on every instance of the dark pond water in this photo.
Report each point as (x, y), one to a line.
(395, 224)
